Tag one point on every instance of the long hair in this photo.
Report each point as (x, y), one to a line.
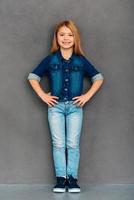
(77, 42)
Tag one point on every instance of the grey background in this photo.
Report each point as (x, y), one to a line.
(107, 140)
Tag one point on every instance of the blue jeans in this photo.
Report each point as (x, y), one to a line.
(65, 122)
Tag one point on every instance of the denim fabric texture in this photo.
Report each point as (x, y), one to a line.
(65, 122)
(65, 118)
(66, 76)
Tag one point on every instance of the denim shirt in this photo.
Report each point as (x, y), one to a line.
(66, 76)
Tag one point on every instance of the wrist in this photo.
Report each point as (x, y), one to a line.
(88, 95)
(41, 93)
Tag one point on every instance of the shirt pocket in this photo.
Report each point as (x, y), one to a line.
(55, 67)
(76, 68)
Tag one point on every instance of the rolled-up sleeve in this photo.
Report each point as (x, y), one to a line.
(40, 70)
(90, 70)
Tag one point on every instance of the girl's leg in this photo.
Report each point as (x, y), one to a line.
(56, 121)
(74, 120)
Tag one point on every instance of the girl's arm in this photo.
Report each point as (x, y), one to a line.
(94, 88)
(46, 97)
(37, 88)
(81, 100)
(96, 78)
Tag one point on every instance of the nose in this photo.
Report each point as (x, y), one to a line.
(65, 37)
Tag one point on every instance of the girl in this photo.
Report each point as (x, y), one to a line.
(66, 66)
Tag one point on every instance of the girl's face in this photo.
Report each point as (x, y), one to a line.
(65, 37)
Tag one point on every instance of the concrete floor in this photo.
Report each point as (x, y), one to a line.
(88, 192)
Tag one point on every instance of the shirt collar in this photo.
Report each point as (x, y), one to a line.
(61, 57)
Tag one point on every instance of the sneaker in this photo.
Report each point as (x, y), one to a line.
(60, 185)
(72, 184)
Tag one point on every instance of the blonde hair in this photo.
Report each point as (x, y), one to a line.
(77, 42)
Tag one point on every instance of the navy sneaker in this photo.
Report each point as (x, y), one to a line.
(60, 185)
(72, 184)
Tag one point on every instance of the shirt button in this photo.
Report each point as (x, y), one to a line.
(66, 70)
(65, 89)
(66, 79)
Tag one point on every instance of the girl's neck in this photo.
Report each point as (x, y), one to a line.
(66, 53)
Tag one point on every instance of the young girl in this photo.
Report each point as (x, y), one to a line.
(66, 66)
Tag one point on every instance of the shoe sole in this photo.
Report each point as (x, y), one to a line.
(59, 190)
(74, 190)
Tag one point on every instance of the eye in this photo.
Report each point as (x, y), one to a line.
(61, 34)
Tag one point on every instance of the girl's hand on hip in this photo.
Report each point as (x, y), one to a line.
(81, 100)
(49, 99)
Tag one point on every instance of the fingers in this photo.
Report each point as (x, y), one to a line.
(78, 101)
(49, 93)
(51, 104)
(80, 104)
(52, 101)
(75, 97)
(55, 97)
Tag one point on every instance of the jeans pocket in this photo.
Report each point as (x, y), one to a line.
(75, 105)
(53, 106)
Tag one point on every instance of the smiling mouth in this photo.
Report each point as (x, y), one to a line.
(66, 42)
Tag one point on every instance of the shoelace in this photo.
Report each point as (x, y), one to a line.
(61, 180)
(72, 180)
